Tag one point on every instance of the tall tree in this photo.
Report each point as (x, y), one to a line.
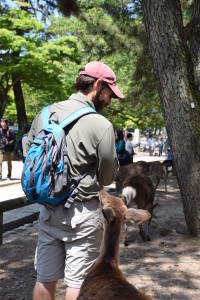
(30, 54)
(177, 80)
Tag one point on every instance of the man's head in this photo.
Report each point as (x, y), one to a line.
(4, 123)
(129, 136)
(98, 82)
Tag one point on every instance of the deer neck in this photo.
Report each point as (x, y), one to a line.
(110, 250)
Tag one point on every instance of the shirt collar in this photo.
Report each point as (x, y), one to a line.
(81, 98)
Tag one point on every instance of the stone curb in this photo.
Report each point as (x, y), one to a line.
(9, 182)
(20, 222)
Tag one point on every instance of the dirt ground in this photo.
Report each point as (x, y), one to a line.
(166, 268)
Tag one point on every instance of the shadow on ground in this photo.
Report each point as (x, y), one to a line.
(167, 267)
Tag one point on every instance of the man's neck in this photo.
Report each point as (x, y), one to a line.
(89, 96)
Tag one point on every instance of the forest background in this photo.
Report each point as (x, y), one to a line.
(41, 51)
(152, 45)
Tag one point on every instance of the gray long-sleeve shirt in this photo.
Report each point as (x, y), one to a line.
(90, 140)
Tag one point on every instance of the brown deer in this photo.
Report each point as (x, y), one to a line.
(105, 280)
(153, 169)
(139, 191)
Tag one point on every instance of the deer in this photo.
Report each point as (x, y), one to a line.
(152, 169)
(139, 191)
(105, 280)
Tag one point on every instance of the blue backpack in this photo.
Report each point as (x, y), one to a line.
(45, 176)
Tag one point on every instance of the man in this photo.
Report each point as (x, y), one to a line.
(168, 162)
(27, 128)
(7, 145)
(69, 239)
(151, 144)
(129, 146)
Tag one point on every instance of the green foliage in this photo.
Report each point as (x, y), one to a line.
(51, 51)
(46, 64)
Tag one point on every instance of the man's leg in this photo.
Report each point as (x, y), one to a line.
(150, 150)
(1, 162)
(9, 156)
(71, 293)
(81, 254)
(49, 256)
(44, 291)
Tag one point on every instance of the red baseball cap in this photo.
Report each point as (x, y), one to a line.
(99, 70)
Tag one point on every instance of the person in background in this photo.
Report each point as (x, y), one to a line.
(27, 128)
(166, 145)
(129, 146)
(160, 146)
(120, 145)
(125, 134)
(168, 162)
(7, 146)
(151, 144)
(124, 157)
(69, 240)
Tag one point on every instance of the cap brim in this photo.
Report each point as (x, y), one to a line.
(116, 91)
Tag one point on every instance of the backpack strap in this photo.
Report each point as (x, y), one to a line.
(45, 115)
(71, 118)
(75, 181)
(77, 114)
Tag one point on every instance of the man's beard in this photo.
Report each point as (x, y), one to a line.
(98, 101)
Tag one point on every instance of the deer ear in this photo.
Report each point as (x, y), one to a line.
(108, 214)
(138, 216)
(103, 194)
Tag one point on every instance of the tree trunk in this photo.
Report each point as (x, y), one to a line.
(19, 102)
(175, 79)
(3, 101)
(195, 41)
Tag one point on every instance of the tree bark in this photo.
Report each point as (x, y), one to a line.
(174, 74)
(3, 101)
(19, 102)
(4, 89)
(195, 41)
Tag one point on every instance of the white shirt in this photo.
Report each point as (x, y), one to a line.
(151, 142)
(129, 146)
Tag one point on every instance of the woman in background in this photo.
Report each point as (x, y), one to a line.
(123, 156)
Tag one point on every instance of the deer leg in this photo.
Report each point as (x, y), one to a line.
(165, 177)
(143, 235)
(148, 230)
(165, 180)
(165, 184)
(157, 182)
(149, 208)
(126, 234)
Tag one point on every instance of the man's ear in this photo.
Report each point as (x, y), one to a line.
(97, 83)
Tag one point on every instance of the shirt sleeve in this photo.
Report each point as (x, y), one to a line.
(107, 158)
(133, 145)
(35, 129)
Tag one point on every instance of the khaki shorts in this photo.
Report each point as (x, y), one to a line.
(69, 242)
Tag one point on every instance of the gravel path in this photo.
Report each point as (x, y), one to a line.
(167, 268)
